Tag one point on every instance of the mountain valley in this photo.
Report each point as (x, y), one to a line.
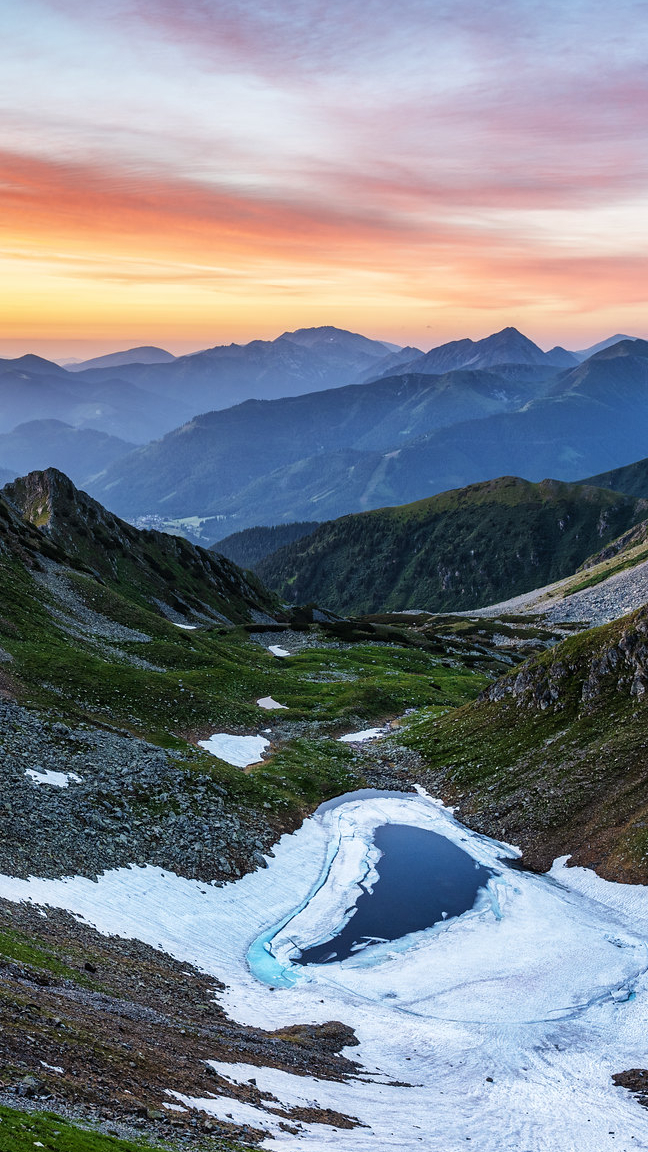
(198, 758)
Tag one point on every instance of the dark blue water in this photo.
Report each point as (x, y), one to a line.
(423, 878)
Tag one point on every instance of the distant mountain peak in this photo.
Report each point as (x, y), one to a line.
(508, 346)
(628, 346)
(585, 353)
(30, 362)
(146, 354)
(329, 334)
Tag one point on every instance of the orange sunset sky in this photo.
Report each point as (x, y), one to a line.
(187, 175)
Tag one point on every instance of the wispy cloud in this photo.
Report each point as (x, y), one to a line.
(435, 154)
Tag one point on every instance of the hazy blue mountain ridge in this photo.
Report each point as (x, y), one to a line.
(506, 347)
(35, 389)
(308, 360)
(147, 354)
(203, 465)
(318, 456)
(82, 452)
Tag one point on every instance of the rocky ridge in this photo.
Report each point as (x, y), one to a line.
(192, 582)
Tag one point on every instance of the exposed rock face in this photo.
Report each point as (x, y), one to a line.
(630, 539)
(553, 682)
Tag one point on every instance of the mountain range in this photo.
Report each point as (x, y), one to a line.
(397, 425)
(206, 465)
(32, 388)
(506, 347)
(307, 360)
(388, 442)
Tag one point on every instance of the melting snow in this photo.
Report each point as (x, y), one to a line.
(49, 776)
(498, 1030)
(269, 703)
(277, 651)
(188, 627)
(227, 1108)
(237, 750)
(360, 737)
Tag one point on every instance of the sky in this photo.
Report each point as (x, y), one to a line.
(221, 170)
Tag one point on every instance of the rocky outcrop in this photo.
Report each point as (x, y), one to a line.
(168, 572)
(615, 659)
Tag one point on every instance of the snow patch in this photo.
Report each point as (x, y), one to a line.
(240, 751)
(360, 737)
(502, 1028)
(268, 703)
(277, 651)
(227, 1108)
(49, 776)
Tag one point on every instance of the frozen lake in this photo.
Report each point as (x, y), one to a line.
(422, 878)
(497, 1028)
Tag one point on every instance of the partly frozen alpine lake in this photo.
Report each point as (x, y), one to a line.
(497, 1028)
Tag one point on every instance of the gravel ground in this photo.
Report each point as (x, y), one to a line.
(55, 581)
(607, 601)
(103, 1038)
(134, 804)
(76, 619)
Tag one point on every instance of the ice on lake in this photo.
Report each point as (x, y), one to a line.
(497, 1028)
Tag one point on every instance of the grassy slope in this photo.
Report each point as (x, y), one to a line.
(209, 681)
(554, 757)
(142, 565)
(454, 551)
(23, 1131)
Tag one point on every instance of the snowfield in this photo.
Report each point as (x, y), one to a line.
(498, 1030)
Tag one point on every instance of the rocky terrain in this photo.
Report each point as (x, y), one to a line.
(103, 700)
(115, 801)
(99, 1028)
